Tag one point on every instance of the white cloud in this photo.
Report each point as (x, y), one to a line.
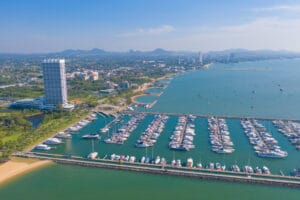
(285, 8)
(262, 33)
(149, 31)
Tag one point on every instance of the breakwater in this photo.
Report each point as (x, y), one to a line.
(164, 170)
(208, 116)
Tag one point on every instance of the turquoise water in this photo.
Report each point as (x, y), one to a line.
(77, 183)
(146, 99)
(243, 155)
(154, 90)
(243, 89)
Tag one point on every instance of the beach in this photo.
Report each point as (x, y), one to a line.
(19, 166)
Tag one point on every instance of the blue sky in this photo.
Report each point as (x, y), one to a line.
(118, 25)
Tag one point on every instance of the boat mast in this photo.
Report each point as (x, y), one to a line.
(93, 146)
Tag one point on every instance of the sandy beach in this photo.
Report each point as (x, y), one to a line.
(19, 166)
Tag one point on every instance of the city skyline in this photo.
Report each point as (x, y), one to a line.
(31, 26)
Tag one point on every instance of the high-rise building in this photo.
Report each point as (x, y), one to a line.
(200, 58)
(55, 81)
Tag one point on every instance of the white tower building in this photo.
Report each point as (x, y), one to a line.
(55, 81)
(200, 58)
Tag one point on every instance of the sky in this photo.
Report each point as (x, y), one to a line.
(39, 26)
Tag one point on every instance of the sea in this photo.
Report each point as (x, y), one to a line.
(265, 89)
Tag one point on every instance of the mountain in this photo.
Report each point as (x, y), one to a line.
(230, 55)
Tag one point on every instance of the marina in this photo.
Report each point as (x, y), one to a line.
(151, 134)
(219, 136)
(121, 135)
(263, 142)
(185, 129)
(291, 130)
(183, 135)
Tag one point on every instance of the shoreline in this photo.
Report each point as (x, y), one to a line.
(17, 167)
(142, 89)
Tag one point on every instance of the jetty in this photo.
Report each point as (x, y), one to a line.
(274, 180)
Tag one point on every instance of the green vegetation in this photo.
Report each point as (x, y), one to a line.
(21, 92)
(16, 133)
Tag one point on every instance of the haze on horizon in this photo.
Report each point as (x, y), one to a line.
(35, 26)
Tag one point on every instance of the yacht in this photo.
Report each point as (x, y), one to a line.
(53, 141)
(157, 160)
(143, 159)
(92, 155)
(189, 162)
(91, 136)
(43, 147)
(63, 135)
(131, 159)
(199, 165)
(265, 170)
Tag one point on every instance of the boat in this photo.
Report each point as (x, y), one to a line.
(52, 141)
(189, 162)
(273, 154)
(63, 135)
(143, 159)
(265, 170)
(178, 163)
(235, 168)
(173, 163)
(92, 155)
(43, 147)
(131, 159)
(296, 172)
(257, 170)
(157, 160)
(163, 161)
(91, 136)
(104, 130)
(223, 166)
(199, 165)
(218, 166)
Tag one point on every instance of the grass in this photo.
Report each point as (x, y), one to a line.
(19, 136)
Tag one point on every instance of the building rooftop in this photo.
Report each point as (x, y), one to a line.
(54, 60)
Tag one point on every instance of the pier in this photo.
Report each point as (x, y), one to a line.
(211, 115)
(275, 180)
(107, 126)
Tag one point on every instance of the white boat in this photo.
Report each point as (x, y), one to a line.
(132, 159)
(63, 135)
(143, 159)
(104, 130)
(93, 155)
(157, 160)
(199, 165)
(173, 163)
(91, 136)
(53, 141)
(189, 162)
(266, 170)
(43, 147)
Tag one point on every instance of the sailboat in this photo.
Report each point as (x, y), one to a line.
(93, 155)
